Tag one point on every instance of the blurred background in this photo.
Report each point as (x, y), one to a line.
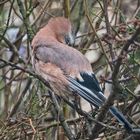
(102, 29)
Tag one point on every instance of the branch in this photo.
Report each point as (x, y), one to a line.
(116, 86)
(25, 20)
(19, 100)
(15, 66)
(64, 124)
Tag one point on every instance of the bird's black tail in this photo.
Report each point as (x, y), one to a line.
(96, 97)
(121, 118)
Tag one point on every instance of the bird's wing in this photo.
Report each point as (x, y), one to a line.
(66, 58)
(88, 88)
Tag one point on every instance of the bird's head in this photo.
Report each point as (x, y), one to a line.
(62, 29)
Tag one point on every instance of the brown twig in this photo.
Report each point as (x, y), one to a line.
(64, 124)
(94, 32)
(19, 100)
(116, 86)
(108, 26)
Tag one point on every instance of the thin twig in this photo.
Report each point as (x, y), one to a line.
(116, 86)
(94, 32)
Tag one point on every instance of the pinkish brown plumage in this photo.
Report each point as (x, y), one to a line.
(54, 31)
(65, 68)
(62, 59)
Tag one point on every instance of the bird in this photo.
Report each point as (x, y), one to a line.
(65, 68)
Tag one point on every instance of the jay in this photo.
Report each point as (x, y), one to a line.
(65, 68)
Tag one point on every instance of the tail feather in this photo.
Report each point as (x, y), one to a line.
(85, 93)
(97, 99)
(120, 117)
